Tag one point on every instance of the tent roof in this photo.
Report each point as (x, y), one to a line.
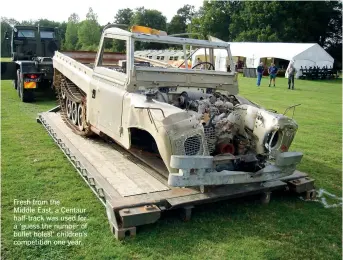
(286, 51)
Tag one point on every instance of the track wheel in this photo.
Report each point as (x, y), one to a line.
(68, 106)
(74, 116)
(79, 117)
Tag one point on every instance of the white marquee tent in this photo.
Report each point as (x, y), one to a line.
(303, 54)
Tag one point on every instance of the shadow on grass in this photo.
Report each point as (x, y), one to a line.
(45, 96)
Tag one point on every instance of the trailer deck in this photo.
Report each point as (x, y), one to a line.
(135, 194)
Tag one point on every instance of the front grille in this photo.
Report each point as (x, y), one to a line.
(189, 144)
(210, 137)
(192, 145)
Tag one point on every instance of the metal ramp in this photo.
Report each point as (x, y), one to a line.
(132, 192)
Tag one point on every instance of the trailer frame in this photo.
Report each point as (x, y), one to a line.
(127, 212)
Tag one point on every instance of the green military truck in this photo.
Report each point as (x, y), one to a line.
(31, 69)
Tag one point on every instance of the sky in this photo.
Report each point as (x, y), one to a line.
(60, 10)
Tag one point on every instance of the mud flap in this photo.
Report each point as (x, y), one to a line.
(8, 70)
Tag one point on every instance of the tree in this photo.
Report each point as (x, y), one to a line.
(273, 21)
(6, 26)
(123, 16)
(186, 13)
(71, 37)
(150, 18)
(286, 21)
(178, 23)
(214, 19)
(89, 31)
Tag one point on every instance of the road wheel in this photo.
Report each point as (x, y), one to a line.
(68, 106)
(79, 117)
(74, 116)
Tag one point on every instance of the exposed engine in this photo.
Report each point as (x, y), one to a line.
(223, 130)
(240, 134)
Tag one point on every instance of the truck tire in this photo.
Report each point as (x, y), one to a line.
(15, 82)
(25, 95)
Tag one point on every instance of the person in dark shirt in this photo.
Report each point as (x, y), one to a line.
(259, 71)
(272, 70)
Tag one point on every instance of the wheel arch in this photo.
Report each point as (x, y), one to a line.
(161, 142)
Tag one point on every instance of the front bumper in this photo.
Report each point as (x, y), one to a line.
(199, 171)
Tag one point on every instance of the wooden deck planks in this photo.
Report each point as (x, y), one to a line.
(126, 177)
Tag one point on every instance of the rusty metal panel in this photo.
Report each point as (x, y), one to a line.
(225, 192)
(301, 185)
(8, 70)
(89, 56)
(139, 215)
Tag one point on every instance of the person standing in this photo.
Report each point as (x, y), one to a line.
(291, 71)
(272, 70)
(259, 70)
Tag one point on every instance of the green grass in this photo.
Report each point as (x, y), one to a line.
(288, 228)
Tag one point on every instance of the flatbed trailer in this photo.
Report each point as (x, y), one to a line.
(133, 193)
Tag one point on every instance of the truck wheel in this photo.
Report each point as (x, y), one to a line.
(14, 82)
(18, 85)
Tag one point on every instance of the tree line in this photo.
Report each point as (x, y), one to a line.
(270, 21)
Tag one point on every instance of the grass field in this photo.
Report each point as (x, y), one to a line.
(33, 167)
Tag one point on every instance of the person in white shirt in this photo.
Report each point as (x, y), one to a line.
(291, 71)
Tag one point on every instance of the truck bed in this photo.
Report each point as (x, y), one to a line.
(133, 193)
(78, 65)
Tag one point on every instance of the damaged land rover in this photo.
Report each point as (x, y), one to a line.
(187, 122)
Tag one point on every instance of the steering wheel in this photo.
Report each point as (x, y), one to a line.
(205, 62)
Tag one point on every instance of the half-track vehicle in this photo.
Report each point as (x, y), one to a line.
(191, 121)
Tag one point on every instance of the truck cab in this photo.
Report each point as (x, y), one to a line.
(32, 49)
(29, 42)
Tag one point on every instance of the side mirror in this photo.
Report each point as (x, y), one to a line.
(7, 37)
